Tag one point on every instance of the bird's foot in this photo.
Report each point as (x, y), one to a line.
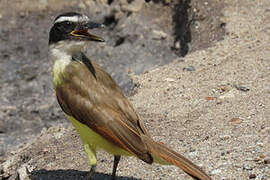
(91, 172)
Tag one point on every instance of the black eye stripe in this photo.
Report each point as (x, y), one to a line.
(63, 23)
(65, 26)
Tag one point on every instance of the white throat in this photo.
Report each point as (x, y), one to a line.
(64, 50)
(61, 54)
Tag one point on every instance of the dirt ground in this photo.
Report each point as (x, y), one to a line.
(139, 37)
(212, 106)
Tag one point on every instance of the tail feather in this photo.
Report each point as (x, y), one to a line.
(166, 156)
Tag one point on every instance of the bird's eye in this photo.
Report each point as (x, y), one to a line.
(68, 23)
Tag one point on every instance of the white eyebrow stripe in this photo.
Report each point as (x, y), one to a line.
(67, 18)
(72, 19)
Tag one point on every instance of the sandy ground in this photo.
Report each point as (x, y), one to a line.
(217, 115)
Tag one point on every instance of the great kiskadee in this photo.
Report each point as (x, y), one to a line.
(96, 106)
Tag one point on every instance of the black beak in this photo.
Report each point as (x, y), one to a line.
(83, 32)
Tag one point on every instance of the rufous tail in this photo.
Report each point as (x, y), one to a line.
(166, 156)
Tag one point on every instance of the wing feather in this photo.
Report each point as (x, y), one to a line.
(98, 102)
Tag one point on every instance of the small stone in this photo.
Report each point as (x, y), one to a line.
(23, 174)
(177, 45)
(193, 153)
(241, 88)
(265, 130)
(170, 80)
(190, 68)
(225, 88)
(225, 137)
(247, 167)
(227, 95)
(215, 172)
(236, 121)
(159, 35)
(197, 24)
(267, 161)
(252, 176)
(260, 144)
(210, 98)
(219, 102)
(30, 168)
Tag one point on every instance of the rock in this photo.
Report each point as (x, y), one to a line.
(241, 88)
(170, 80)
(225, 88)
(216, 171)
(227, 95)
(210, 98)
(190, 68)
(159, 35)
(23, 173)
(266, 161)
(236, 121)
(247, 167)
(252, 176)
(225, 137)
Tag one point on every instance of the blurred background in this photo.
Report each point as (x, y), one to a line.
(139, 37)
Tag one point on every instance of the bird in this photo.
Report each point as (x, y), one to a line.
(94, 103)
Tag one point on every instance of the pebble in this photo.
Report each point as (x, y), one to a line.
(265, 130)
(236, 121)
(170, 80)
(216, 171)
(247, 167)
(210, 98)
(260, 144)
(252, 176)
(227, 95)
(190, 68)
(194, 153)
(159, 35)
(267, 161)
(225, 137)
(225, 88)
(177, 45)
(58, 135)
(241, 88)
(23, 174)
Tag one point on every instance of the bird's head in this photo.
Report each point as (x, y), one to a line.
(73, 28)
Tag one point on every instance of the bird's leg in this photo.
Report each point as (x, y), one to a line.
(115, 164)
(91, 172)
(91, 153)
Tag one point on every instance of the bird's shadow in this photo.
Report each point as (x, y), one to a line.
(70, 174)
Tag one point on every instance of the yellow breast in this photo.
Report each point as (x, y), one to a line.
(95, 140)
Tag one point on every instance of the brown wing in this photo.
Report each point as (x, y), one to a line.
(94, 99)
